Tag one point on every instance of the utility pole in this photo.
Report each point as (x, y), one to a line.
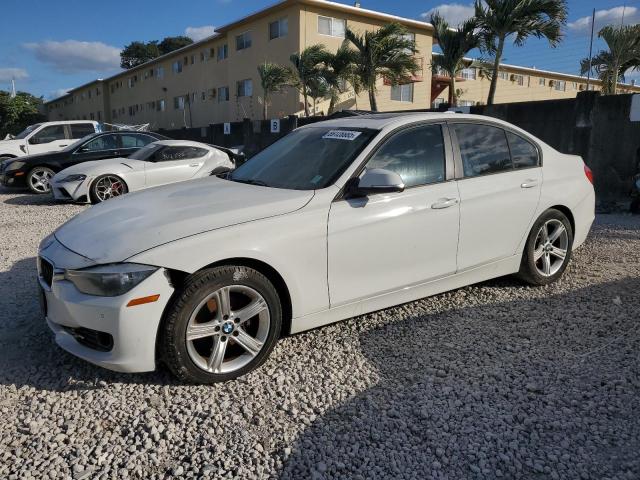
(593, 21)
(13, 88)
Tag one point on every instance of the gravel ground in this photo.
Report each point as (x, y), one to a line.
(493, 380)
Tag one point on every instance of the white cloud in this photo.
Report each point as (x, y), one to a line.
(453, 13)
(6, 74)
(606, 17)
(58, 93)
(72, 56)
(199, 33)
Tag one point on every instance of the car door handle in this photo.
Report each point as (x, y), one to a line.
(529, 183)
(445, 203)
(65, 145)
(194, 164)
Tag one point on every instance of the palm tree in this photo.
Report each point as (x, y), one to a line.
(339, 72)
(273, 79)
(386, 52)
(455, 44)
(307, 69)
(623, 54)
(499, 19)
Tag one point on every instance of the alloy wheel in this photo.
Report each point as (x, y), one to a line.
(39, 179)
(228, 329)
(108, 187)
(551, 246)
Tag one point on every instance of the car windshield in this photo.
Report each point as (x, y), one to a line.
(27, 131)
(145, 152)
(306, 159)
(77, 143)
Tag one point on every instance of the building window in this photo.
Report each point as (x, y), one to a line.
(519, 79)
(160, 105)
(176, 66)
(334, 27)
(468, 73)
(223, 94)
(243, 41)
(193, 59)
(466, 103)
(279, 28)
(541, 82)
(437, 102)
(178, 103)
(503, 75)
(244, 88)
(560, 85)
(575, 85)
(194, 96)
(160, 72)
(204, 96)
(223, 52)
(99, 116)
(402, 93)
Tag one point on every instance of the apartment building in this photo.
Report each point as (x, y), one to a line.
(515, 84)
(216, 79)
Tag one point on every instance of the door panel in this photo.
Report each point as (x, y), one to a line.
(387, 242)
(48, 139)
(497, 201)
(99, 148)
(174, 164)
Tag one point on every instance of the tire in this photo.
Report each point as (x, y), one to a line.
(541, 261)
(103, 189)
(199, 309)
(38, 180)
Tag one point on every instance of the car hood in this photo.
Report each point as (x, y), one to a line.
(122, 227)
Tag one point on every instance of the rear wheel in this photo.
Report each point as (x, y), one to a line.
(223, 324)
(107, 186)
(38, 179)
(548, 249)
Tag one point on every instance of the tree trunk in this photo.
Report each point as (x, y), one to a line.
(265, 102)
(452, 91)
(372, 99)
(306, 103)
(496, 67)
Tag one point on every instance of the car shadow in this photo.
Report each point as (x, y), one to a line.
(518, 389)
(24, 197)
(29, 355)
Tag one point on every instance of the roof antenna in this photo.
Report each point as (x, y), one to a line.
(357, 4)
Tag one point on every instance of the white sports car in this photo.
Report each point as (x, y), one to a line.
(158, 163)
(336, 219)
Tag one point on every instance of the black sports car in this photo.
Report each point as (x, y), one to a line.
(35, 171)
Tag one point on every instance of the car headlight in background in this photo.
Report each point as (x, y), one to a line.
(74, 178)
(109, 280)
(17, 165)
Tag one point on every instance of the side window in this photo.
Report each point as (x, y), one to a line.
(179, 153)
(417, 155)
(80, 130)
(136, 141)
(523, 153)
(48, 134)
(483, 149)
(104, 142)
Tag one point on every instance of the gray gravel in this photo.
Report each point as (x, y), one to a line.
(494, 380)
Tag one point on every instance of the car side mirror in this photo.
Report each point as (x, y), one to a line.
(375, 180)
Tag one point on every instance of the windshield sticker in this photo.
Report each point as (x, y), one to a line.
(316, 179)
(342, 134)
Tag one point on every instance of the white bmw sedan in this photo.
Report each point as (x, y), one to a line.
(336, 219)
(157, 163)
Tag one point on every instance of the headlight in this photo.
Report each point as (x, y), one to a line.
(74, 178)
(17, 165)
(109, 280)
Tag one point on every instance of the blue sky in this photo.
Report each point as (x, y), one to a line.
(49, 46)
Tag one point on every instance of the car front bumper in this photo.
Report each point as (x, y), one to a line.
(10, 179)
(77, 191)
(104, 330)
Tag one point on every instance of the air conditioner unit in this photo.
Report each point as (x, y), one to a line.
(552, 83)
(480, 74)
(512, 77)
(581, 87)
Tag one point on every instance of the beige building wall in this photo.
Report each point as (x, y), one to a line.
(521, 85)
(88, 102)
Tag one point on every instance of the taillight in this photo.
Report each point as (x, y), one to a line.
(589, 174)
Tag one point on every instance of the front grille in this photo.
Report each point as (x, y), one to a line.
(93, 339)
(46, 271)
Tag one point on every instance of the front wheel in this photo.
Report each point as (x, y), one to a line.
(38, 180)
(223, 324)
(548, 249)
(107, 186)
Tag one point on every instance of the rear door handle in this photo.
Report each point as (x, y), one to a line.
(444, 203)
(529, 183)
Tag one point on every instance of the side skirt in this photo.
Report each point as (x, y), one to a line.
(500, 268)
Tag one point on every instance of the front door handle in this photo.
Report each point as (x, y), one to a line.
(445, 203)
(529, 183)
(194, 165)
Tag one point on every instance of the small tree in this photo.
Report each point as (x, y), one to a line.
(307, 69)
(339, 73)
(623, 55)
(387, 52)
(455, 44)
(18, 112)
(273, 78)
(499, 19)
